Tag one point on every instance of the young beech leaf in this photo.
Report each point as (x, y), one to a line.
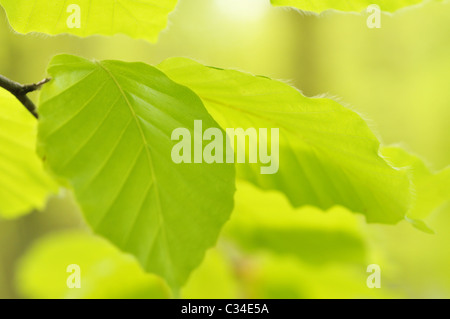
(106, 127)
(142, 19)
(328, 155)
(24, 185)
(345, 5)
(59, 262)
(264, 220)
(431, 189)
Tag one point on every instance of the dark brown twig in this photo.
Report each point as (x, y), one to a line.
(20, 92)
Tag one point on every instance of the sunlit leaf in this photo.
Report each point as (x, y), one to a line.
(142, 19)
(105, 272)
(345, 5)
(24, 185)
(328, 155)
(106, 127)
(431, 189)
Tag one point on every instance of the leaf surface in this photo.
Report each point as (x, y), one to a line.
(106, 128)
(345, 5)
(432, 189)
(328, 155)
(142, 19)
(24, 185)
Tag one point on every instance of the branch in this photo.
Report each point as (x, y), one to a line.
(20, 92)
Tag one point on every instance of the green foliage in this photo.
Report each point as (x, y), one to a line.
(225, 274)
(105, 134)
(264, 220)
(142, 19)
(24, 185)
(345, 5)
(104, 271)
(431, 189)
(270, 276)
(328, 155)
(106, 127)
(214, 278)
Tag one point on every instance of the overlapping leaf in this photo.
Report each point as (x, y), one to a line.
(106, 127)
(432, 189)
(328, 155)
(142, 19)
(104, 272)
(345, 5)
(24, 185)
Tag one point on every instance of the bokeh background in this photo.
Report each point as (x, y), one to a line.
(397, 77)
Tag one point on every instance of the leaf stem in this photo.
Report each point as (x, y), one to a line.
(20, 92)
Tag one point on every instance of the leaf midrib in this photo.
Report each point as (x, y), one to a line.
(150, 159)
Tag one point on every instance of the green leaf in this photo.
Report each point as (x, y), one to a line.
(106, 127)
(105, 272)
(24, 185)
(264, 220)
(328, 156)
(432, 189)
(345, 5)
(142, 19)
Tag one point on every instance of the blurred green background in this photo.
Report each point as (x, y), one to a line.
(397, 77)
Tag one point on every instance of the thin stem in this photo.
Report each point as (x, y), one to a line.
(20, 92)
